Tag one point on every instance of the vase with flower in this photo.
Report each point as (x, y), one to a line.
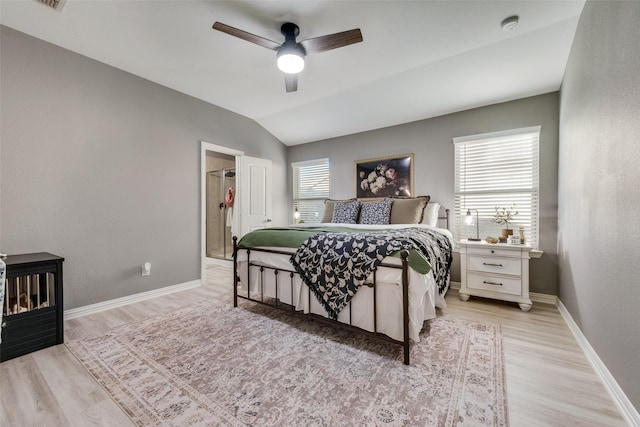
(505, 216)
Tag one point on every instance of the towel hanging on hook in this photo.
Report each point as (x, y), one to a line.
(229, 197)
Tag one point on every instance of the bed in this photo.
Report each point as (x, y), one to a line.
(389, 292)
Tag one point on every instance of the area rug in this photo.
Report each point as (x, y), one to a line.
(213, 365)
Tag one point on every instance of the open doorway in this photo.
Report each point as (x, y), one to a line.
(219, 173)
(222, 168)
(221, 189)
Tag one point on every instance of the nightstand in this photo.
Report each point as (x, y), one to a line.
(497, 271)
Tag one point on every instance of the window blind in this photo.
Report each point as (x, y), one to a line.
(310, 189)
(497, 170)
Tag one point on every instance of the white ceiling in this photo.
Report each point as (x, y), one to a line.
(419, 59)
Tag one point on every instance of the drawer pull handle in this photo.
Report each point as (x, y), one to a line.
(492, 265)
(492, 283)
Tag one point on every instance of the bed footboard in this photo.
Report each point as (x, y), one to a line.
(280, 274)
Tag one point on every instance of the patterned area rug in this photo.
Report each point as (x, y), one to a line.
(212, 365)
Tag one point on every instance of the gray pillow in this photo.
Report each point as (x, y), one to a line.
(346, 212)
(375, 212)
(409, 210)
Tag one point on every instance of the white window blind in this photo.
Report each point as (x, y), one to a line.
(497, 170)
(310, 189)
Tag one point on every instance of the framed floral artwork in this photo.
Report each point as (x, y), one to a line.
(385, 176)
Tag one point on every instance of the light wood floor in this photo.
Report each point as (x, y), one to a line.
(549, 380)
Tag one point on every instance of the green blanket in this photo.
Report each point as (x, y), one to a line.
(294, 237)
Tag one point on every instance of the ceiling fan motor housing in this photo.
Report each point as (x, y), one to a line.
(290, 31)
(290, 54)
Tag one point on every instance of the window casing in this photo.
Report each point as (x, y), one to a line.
(499, 169)
(310, 189)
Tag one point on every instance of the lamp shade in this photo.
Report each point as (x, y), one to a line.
(469, 221)
(291, 59)
(468, 218)
(290, 63)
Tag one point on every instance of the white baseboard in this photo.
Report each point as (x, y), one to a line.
(119, 302)
(217, 261)
(543, 298)
(629, 413)
(454, 285)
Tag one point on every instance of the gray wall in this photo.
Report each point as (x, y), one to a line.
(599, 190)
(103, 168)
(431, 142)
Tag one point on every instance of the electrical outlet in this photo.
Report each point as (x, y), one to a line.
(146, 269)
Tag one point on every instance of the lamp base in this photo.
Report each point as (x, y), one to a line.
(473, 239)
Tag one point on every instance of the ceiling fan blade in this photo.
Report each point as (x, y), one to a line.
(260, 41)
(291, 82)
(332, 41)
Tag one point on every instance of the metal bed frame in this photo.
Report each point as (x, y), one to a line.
(405, 343)
(290, 273)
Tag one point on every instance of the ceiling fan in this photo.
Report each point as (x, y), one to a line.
(291, 53)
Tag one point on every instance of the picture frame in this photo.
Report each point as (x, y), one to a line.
(390, 176)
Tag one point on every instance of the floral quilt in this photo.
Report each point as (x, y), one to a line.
(335, 265)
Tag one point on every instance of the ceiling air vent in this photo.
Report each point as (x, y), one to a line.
(54, 4)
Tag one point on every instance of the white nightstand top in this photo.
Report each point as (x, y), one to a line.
(534, 253)
(484, 244)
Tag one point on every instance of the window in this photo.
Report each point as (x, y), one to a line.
(310, 189)
(498, 169)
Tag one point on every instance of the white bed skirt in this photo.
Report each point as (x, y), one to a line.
(423, 295)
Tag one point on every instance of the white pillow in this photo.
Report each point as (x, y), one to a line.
(431, 214)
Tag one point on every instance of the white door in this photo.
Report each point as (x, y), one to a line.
(254, 191)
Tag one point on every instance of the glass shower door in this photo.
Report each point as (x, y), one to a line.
(219, 240)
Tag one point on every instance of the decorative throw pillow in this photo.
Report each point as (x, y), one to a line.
(431, 214)
(346, 212)
(375, 212)
(408, 210)
(328, 208)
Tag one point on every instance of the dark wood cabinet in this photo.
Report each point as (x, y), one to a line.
(33, 310)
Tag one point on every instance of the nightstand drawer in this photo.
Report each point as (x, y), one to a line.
(495, 284)
(494, 250)
(511, 266)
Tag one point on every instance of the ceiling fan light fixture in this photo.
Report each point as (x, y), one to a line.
(291, 54)
(290, 61)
